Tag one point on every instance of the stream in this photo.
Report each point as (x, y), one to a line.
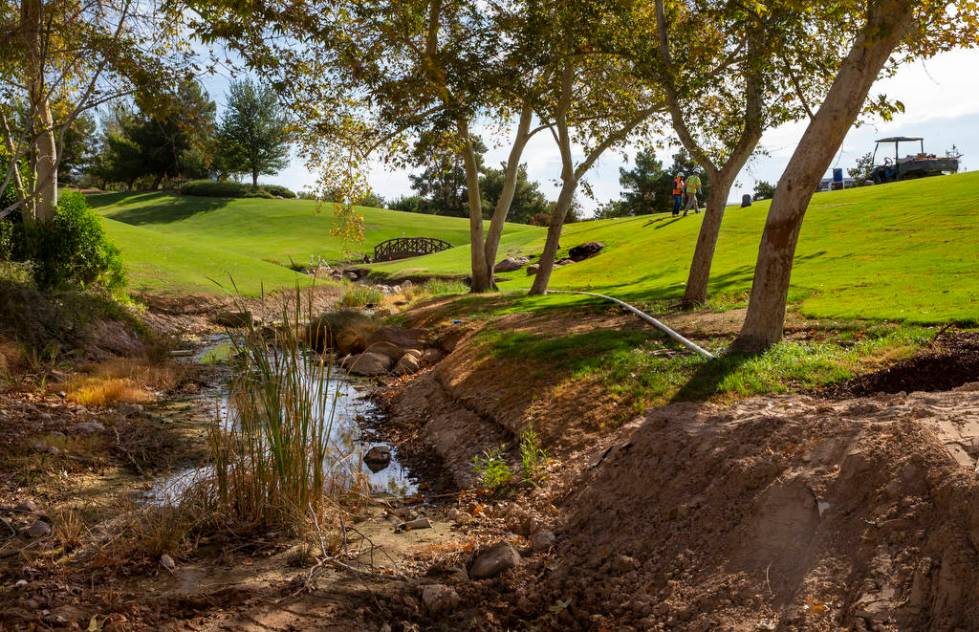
(349, 436)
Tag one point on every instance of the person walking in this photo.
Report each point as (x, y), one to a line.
(693, 187)
(678, 186)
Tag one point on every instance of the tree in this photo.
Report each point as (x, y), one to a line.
(764, 190)
(648, 186)
(78, 148)
(59, 59)
(254, 131)
(528, 200)
(372, 76)
(441, 184)
(726, 69)
(876, 30)
(861, 171)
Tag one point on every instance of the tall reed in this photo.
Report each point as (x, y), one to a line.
(272, 453)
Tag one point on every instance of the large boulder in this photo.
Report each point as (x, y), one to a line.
(368, 364)
(585, 251)
(493, 561)
(403, 338)
(344, 331)
(388, 349)
(510, 264)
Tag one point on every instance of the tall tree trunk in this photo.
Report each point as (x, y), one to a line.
(889, 21)
(502, 209)
(44, 145)
(553, 241)
(482, 279)
(703, 256)
(255, 179)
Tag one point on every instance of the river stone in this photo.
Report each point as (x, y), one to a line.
(378, 458)
(439, 598)
(408, 364)
(431, 356)
(493, 561)
(369, 364)
(585, 251)
(510, 264)
(398, 336)
(388, 349)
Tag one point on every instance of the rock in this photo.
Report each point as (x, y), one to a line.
(439, 598)
(88, 427)
(64, 616)
(233, 319)
(542, 540)
(510, 264)
(623, 564)
(408, 364)
(129, 409)
(459, 517)
(368, 364)
(448, 340)
(345, 331)
(398, 336)
(585, 251)
(532, 270)
(565, 262)
(20, 583)
(167, 562)
(378, 458)
(39, 529)
(431, 356)
(414, 525)
(25, 506)
(388, 349)
(493, 561)
(47, 449)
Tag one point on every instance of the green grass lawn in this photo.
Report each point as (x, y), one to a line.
(907, 251)
(177, 244)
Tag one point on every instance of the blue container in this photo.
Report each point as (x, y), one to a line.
(837, 175)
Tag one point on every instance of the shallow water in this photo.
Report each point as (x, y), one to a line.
(352, 408)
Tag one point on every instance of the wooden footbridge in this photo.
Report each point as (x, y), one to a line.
(404, 247)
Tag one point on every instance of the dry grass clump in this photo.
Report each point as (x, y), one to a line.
(10, 357)
(102, 392)
(125, 380)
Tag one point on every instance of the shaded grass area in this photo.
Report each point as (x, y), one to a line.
(641, 368)
(903, 252)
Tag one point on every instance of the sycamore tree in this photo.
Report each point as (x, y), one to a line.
(728, 72)
(62, 58)
(373, 78)
(596, 104)
(879, 34)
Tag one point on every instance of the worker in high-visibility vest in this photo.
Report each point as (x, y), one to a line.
(678, 187)
(693, 187)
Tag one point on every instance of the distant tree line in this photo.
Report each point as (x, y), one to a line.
(648, 186)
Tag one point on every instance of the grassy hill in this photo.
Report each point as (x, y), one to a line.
(178, 244)
(907, 251)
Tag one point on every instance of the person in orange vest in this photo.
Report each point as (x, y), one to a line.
(678, 186)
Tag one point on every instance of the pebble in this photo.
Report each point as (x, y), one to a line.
(39, 529)
(439, 598)
(493, 561)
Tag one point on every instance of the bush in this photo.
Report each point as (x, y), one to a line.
(70, 250)
(231, 189)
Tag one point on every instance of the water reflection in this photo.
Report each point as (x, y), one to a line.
(351, 407)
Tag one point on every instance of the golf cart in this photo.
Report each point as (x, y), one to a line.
(920, 165)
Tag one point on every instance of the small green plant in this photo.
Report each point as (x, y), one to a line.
(444, 287)
(533, 458)
(359, 296)
(492, 469)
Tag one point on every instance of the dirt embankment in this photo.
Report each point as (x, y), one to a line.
(793, 512)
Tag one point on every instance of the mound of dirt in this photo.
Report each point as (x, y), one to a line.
(787, 513)
(952, 360)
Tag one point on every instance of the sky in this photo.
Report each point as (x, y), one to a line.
(941, 101)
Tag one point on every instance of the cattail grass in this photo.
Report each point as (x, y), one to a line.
(272, 453)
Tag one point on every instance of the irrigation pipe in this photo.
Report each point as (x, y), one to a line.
(649, 319)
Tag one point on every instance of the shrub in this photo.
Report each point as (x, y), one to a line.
(360, 296)
(533, 458)
(231, 189)
(70, 250)
(279, 191)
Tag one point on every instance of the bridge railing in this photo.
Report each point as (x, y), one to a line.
(404, 247)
